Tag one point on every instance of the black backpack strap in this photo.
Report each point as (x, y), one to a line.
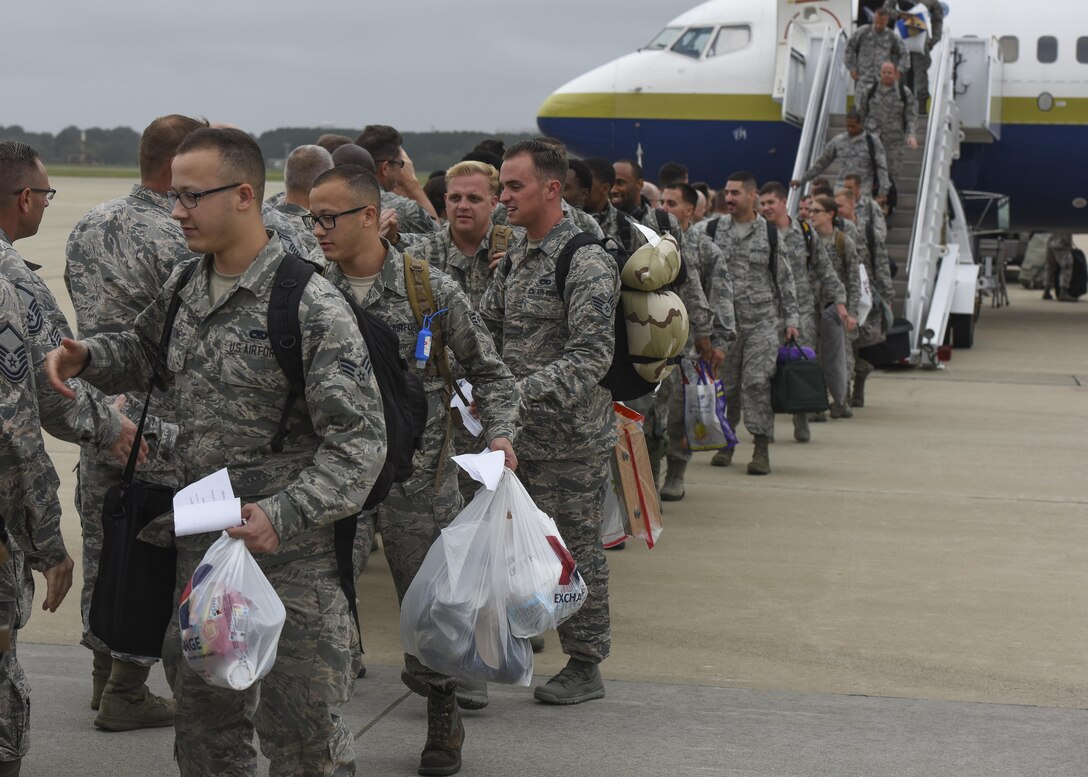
(562, 264)
(712, 227)
(285, 334)
(806, 232)
(623, 225)
(663, 225)
(872, 161)
(903, 97)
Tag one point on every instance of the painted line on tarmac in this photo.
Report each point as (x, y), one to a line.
(382, 714)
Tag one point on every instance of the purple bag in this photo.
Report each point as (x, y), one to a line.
(792, 352)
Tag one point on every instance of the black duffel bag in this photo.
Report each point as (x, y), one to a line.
(798, 385)
(133, 597)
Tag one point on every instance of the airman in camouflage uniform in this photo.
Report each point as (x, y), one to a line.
(870, 46)
(836, 355)
(230, 391)
(559, 347)
(284, 217)
(764, 304)
(414, 513)
(1059, 266)
(920, 62)
(851, 150)
(286, 221)
(395, 169)
(29, 522)
(584, 221)
(889, 111)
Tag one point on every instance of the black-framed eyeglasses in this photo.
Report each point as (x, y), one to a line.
(49, 193)
(397, 162)
(328, 221)
(190, 200)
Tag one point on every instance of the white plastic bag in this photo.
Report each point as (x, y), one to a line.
(499, 573)
(230, 617)
(865, 296)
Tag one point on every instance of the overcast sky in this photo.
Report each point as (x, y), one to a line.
(416, 65)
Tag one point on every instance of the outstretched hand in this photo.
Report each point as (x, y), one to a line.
(65, 362)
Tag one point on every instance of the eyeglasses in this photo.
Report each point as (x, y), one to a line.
(328, 221)
(397, 162)
(817, 210)
(190, 200)
(49, 193)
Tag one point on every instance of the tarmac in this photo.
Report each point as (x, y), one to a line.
(904, 595)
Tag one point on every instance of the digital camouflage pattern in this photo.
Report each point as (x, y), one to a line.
(558, 347)
(230, 391)
(814, 279)
(1059, 260)
(869, 49)
(584, 221)
(411, 217)
(470, 272)
(707, 259)
(119, 257)
(883, 112)
(845, 264)
(285, 220)
(852, 154)
(875, 253)
(29, 509)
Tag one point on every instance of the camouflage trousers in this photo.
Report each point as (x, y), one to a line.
(292, 709)
(96, 474)
(14, 688)
(1060, 270)
(409, 525)
(919, 67)
(747, 371)
(894, 143)
(572, 492)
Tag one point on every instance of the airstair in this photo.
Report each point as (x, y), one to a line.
(928, 237)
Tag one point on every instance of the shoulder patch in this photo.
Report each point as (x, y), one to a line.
(357, 372)
(34, 318)
(605, 304)
(14, 362)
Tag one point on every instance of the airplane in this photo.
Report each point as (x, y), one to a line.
(702, 92)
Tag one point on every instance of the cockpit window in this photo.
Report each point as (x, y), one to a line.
(693, 42)
(730, 39)
(665, 38)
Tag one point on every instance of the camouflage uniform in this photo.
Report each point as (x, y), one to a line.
(581, 219)
(836, 355)
(118, 259)
(29, 511)
(869, 49)
(415, 512)
(411, 217)
(285, 220)
(853, 156)
(273, 201)
(1059, 261)
(876, 247)
(559, 348)
(761, 305)
(814, 279)
(892, 119)
(439, 250)
(919, 63)
(230, 390)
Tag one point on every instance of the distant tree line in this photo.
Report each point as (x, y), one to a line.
(120, 146)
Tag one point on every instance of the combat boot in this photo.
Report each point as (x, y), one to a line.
(537, 643)
(655, 446)
(11, 768)
(445, 735)
(857, 396)
(723, 458)
(100, 675)
(577, 682)
(1047, 294)
(761, 458)
(472, 694)
(127, 703)
(1065, 296)
(673, 490)
(800, 427)
(840, 411)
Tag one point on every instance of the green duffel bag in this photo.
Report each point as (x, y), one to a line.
(798, 386)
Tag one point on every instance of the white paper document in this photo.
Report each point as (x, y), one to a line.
(472, 423)
(207, 505)
(651, 237)
(486, 467)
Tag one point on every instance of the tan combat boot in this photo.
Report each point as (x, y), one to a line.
(445, 735)
(800, 427)
(673, 490)
(761, 459)
(127, 703)
(100, 675)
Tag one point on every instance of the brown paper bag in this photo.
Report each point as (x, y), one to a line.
(633, 478)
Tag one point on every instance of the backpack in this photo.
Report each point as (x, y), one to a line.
(810, 246)
(1078, 282)
(500, 238)
(772, 240)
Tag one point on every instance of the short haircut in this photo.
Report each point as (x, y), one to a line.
(160, 140)
(821, 186)
(351, 154)
(636, 168)
(881, 11)
(775, 188)
(702, 186)
(474, 168)
(745, 177)
(847, 193)
(687, 193)
(331, 141)
(18, 162)
(481, 155)
(435, 189)
(670, 173)
(827, 203)
(359, 181)
(382, 141)
(303, 165)
(494, 146)
(601, 169)
(549, 157)
(581, 172)
(241, 156)
(853, 177)
(853, 115)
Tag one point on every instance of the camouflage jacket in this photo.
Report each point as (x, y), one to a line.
(411, 217)
(28, 482)
(285, 220)
(89, 419)
(814, 275)
(869, 49)
(581, 219)
(852, 154)
(439, 250)
(706, 258)
(875, 250)
(117, 259)
(886, 114)
(231, 390)
(845, 266)
(1059, 247)
(467, 338)
(558, 347)
(747, 251)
